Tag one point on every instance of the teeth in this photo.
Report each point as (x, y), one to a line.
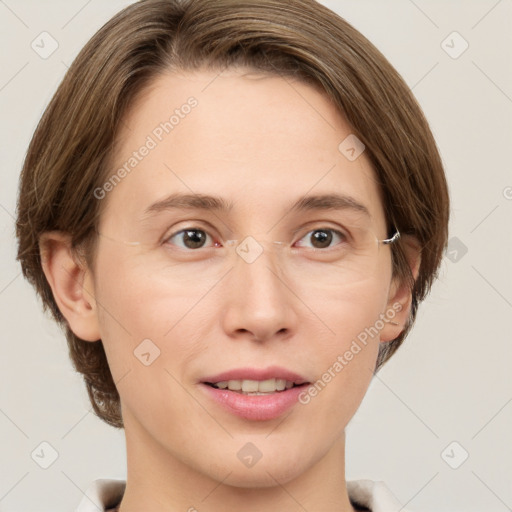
(249, 386)
(281, 384)
(255, 386)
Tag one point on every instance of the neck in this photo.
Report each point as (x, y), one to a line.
(157, 480)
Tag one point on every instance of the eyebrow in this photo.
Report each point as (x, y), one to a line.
(190, 202)
(208, 202)
(329, 202)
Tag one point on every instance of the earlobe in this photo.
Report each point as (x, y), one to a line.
(71, 284)
(400, 296)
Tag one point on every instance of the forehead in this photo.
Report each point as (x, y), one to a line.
(260, 141)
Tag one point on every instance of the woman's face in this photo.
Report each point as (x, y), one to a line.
(180, 309)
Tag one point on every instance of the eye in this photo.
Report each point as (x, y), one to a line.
(321, 238)
(189, 238)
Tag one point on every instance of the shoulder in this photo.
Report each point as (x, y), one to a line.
(374, 495)
(102, 495)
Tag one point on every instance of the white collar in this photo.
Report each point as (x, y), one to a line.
(107, 493)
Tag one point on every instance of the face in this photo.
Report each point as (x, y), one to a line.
(178, 308)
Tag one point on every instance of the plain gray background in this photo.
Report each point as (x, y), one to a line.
(445, 395)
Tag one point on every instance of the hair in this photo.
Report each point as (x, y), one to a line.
(69, 154)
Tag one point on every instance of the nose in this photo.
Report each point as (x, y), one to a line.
(259, 304)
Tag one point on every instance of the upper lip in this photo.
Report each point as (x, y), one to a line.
(270, 372)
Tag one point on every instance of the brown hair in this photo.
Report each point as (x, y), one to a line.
(69, 153)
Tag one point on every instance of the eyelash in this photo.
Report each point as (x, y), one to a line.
(339, 233)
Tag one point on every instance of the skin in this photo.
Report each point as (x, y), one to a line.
(281, 138)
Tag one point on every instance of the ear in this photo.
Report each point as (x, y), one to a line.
(71, 283)
(400, 297)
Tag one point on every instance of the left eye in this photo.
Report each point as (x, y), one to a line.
(322, 238)
(192, 238)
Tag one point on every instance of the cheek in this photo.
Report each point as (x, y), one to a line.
(347, 353)
(148, 335)
(140, 293)
(140, 311)
(346, 313)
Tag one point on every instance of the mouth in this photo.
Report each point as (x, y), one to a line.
(255, 394)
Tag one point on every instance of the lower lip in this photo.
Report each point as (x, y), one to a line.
(255, 407)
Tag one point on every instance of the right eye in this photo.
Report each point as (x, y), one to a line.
(189, 238)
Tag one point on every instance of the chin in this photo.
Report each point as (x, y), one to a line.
(268, 471)
(260, 478)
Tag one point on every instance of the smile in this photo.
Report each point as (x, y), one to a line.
(255, 394)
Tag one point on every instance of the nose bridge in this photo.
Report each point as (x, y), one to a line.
(258, 260)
